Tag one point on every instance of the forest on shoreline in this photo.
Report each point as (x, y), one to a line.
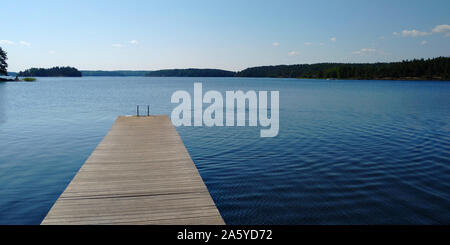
(191, 72)
(417, 69)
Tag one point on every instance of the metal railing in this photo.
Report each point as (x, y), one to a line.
(137, 111)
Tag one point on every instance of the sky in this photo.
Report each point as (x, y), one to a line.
(232, 35)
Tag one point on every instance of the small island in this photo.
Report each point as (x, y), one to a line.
(51, 72)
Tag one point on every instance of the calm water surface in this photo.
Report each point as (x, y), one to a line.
(348, 152)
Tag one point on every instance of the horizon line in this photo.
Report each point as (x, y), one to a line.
(143, 70)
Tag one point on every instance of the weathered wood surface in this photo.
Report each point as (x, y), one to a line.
(141, 173)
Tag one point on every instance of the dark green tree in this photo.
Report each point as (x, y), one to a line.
(3, 64)
(51, 72)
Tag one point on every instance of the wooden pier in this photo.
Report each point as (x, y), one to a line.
(141, 173)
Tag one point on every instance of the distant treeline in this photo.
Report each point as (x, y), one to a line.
(435, 69)
(51, 72)
(191, 73)
(123, 73)
(429, 69)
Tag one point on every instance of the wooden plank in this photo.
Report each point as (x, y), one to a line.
(141, 173)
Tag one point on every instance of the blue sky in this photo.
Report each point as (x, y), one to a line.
(149, 35)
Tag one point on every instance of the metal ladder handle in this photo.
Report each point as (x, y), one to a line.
(137, 110)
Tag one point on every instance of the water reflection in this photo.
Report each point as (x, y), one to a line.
(2, 103)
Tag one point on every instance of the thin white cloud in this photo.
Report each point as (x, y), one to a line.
(52, 52)
(134, 42)
(333, 39)
(25, 43)
(117, 45)
(276, 44)
(414, 33)
(321, 44)
(365, 51)
(292, 53)
(424, 42)
(308, 43)
(8, 42)
(395, 33)
(442, 29)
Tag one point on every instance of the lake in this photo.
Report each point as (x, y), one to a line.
(347, 152)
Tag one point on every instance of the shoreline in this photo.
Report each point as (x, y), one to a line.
(25, 79)
(381, 79)
(7, 80)
(301, 78)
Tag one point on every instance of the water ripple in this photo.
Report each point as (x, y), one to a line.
(348, 152)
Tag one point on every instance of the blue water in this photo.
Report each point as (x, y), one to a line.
(348, 152)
